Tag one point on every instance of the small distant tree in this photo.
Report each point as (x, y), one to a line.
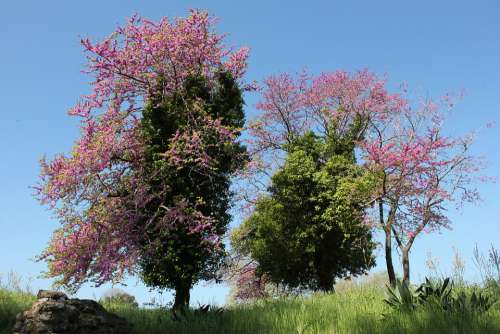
(310, 229)
(116, 296)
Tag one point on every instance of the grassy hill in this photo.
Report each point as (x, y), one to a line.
(358, 309)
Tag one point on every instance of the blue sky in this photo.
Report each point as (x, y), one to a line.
(433, 46)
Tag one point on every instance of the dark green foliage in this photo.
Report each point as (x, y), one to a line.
(174, 258)
(309, 230)
(476, 302)
(492, 288)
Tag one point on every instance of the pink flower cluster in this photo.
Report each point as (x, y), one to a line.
(130, 62)
(190, 145)
(291, 106)
(422, 169)
(185, 214)
(249, 286)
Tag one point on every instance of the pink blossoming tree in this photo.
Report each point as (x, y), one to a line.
(421, 171)
(165, 106)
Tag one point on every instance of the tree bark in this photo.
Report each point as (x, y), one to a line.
(326, 283)
(388, 257)
(388, 242)
(182, 295)
(406, 264)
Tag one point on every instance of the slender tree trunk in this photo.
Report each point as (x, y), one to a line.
(388, 257)
(388, 242)
(406, 264)
(182, 294)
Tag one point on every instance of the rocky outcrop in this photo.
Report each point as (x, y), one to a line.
(55, 313)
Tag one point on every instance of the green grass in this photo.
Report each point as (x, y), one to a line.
(355, 310)
(359, 310)
(11, 303)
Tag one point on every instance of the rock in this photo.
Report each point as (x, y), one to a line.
(54, 313)
(56, 295)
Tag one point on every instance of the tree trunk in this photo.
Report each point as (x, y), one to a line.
(406, 264)
(388, 257)
(388, 242)
(325, 283)
(182, 294)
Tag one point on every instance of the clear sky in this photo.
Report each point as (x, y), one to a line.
(433, 46)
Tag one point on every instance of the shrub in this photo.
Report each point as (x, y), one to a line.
(119, 297)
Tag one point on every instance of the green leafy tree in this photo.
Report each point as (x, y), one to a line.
(310, 230)
(179, 255)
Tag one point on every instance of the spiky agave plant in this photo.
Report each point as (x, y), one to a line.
(429, 292)
(402, 297)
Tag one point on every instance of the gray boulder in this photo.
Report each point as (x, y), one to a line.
(55, 313)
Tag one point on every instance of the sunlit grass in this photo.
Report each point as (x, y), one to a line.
(11, 303)
(356, 309)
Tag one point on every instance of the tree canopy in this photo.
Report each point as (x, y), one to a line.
(145, 187)
(309, 230)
